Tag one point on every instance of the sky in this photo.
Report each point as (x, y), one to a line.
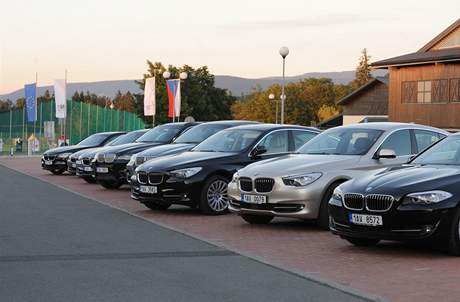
(100, 40)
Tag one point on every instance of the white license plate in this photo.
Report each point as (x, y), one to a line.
(74, 165)
(257, 199)
(79, 162)
(372, 220)
(148, 189)
(102, 170)
(87, 169)
(48, 162)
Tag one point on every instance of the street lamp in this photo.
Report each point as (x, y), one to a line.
(284, 51)
(182, 76)
(271, 97)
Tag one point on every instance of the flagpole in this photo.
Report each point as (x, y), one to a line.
(36, 90)
(65, 97)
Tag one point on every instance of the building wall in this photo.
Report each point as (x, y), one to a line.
(354, 119)
(372, 101)
(445, 114)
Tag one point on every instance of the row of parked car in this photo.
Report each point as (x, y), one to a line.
(365, 182)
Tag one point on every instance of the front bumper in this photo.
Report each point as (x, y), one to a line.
(55, 164)
(184, 192)
(72, 166)
(282, 201)
(84, 170)
(397, 225)
(115, 171)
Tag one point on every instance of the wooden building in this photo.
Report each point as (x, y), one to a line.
(424, 86)
(367, 103)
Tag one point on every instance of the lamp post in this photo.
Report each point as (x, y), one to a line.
(284, 51)
(271, 97)
(182, 76)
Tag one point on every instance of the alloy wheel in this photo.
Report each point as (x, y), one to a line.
(217, 196)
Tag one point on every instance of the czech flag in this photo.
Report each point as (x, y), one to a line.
(173, 87)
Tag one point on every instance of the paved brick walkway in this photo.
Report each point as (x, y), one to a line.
(393, 271)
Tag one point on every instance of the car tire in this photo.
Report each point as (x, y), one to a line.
(214, 198)
(57, 171)
(454, 235)
(156, 206)
(257, 219)
(323, 218)
(89, 179)
(111, 185)
(362, 241)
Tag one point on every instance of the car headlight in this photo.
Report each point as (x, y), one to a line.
(236, 177)
(64, 155)
(301, 180)
(124, 157)
(186, 173)
(427, 197)
(109, 157)
(337, 197)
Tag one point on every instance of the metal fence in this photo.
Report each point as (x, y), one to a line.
(82, 120)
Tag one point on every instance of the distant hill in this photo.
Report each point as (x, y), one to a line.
(236, 85)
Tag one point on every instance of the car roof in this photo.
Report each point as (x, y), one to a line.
(141, 130)
(230, 122)
(111, 132)
(266, 127)
(184, 124)
(385, 126)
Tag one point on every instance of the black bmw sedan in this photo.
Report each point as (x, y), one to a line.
(419, 200)
(185, 142)
(199, 178)
(110, 165)
(84, 159)
(55, 160)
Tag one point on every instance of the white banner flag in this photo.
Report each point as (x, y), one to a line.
(177, 100)
(60, 97)
(149, 97)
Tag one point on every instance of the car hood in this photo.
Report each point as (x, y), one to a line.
(130, 148)
(66, 149)
(406, 179)
(163, 150)
(297, 164)
(182, 160)
(90, 153)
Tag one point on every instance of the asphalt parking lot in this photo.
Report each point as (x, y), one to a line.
(394, 271)
(58, 246)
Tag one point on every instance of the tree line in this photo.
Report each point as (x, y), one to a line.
(308, 101)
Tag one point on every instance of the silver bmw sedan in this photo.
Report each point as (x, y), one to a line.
(300, 185)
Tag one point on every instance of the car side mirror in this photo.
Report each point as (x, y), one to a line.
(386, 153)
(258, 151)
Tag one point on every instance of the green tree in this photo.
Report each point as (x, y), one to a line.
(126, 102)
(363, 71)
(304, 99)
(199, 97)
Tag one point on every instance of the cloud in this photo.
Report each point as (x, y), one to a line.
(313, 21)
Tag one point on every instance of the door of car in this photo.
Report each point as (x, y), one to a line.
(276, 143)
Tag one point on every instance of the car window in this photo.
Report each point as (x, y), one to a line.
(399, 142)
(425, 138)
(446, 152)
(161, 134)
(276, 142)
(230, 140)
(342, 141)
(301, 137)
(94, 140)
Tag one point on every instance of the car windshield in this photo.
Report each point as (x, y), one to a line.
(126, 138)
(160, 134)
(231, 140)
(342, 141)
(199, 133)
(446, 152)
(93, 140)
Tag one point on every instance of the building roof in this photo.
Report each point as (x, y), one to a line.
(345, 100)
(418, 58)
(426, 54)
(439, 37)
